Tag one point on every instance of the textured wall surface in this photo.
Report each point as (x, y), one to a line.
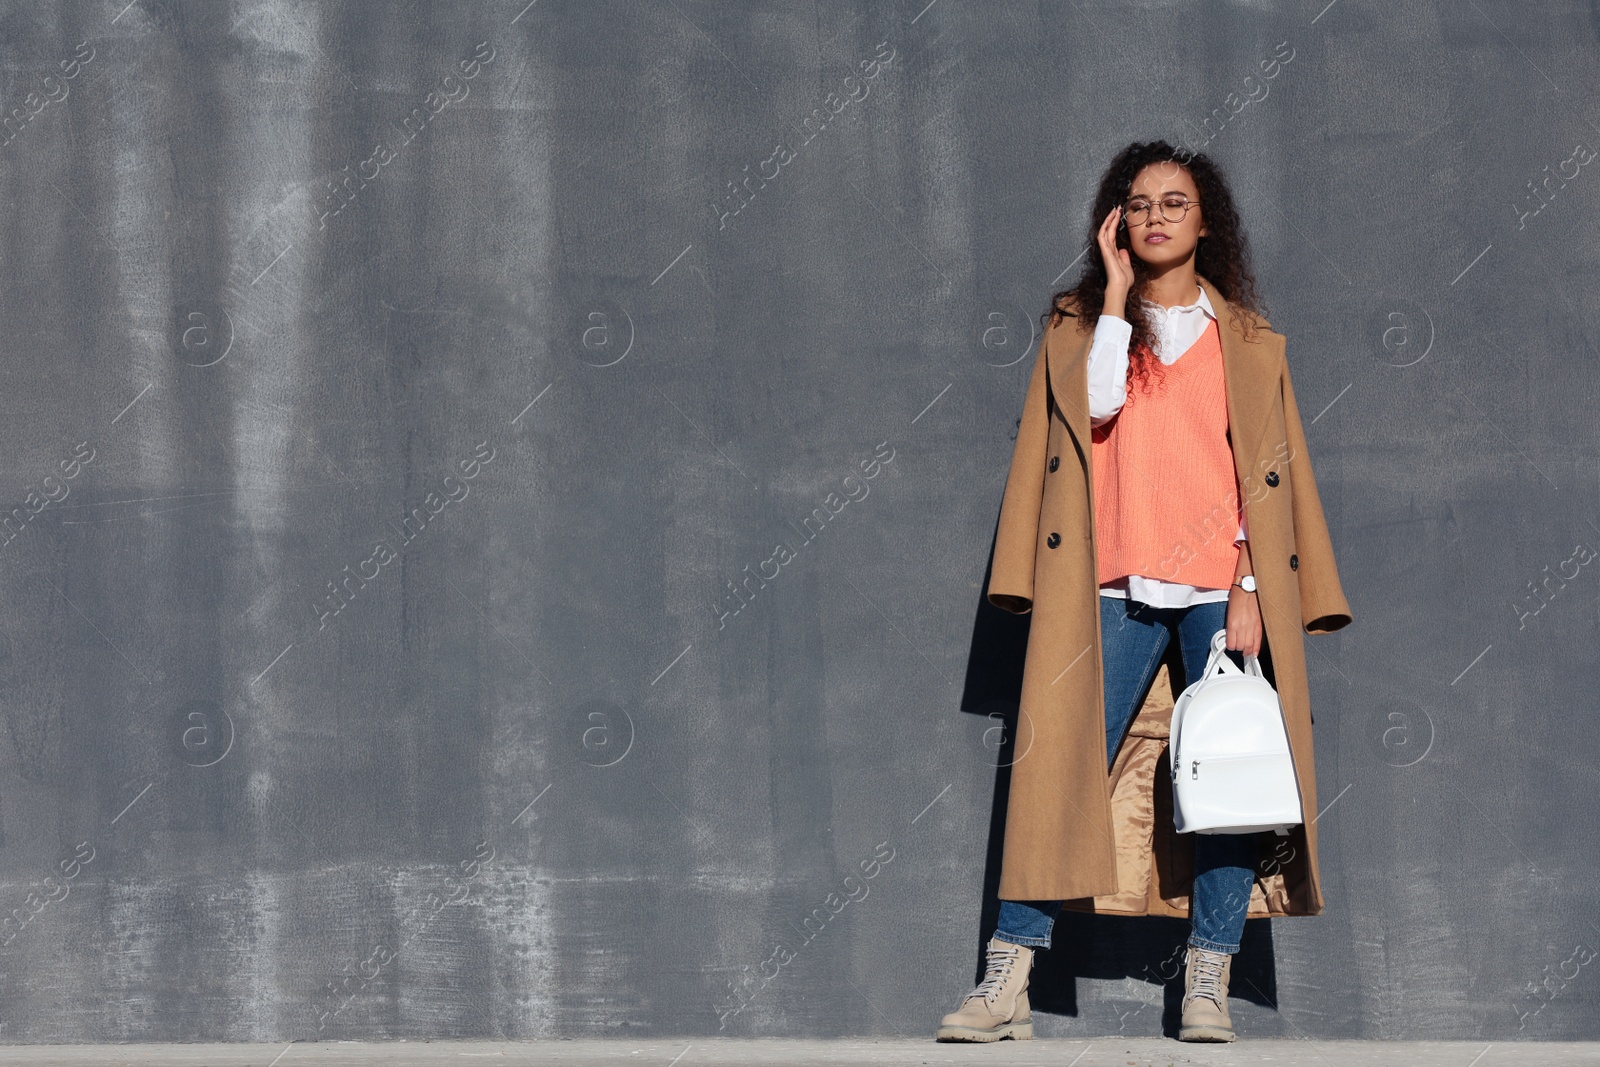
(394, 394)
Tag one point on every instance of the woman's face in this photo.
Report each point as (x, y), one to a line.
(1153, 237)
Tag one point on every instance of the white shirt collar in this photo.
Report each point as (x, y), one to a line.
(1203, 303)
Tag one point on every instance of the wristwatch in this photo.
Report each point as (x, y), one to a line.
(1247, 583)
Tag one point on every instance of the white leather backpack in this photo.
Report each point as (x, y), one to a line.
(1232, 771)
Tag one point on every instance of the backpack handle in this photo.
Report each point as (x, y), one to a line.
(1219, 663)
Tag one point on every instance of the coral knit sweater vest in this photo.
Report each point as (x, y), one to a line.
(1166, 501)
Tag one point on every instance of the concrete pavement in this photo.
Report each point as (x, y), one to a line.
(1103, 1052)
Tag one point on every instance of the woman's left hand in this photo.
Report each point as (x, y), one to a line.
(1244, 622)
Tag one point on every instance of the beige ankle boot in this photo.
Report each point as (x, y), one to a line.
(1205, 996)
(998, 1007)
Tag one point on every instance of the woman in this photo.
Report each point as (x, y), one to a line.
(1160, 491)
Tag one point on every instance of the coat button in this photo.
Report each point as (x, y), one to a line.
(1053, 540)
(1272, 477)
(1055, 461)
(1294, 562)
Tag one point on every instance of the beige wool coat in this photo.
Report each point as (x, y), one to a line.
(1104, 842)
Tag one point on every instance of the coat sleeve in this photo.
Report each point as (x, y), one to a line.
(1017, 537)
(1323, 608)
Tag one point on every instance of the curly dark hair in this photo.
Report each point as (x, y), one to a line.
(1223, 256)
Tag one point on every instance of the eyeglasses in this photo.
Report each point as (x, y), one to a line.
(1173, 209)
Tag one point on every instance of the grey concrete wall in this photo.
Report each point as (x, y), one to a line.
(394, 391)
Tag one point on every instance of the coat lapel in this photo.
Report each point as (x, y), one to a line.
(1248, 367)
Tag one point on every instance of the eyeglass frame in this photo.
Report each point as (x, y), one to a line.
(1187, 205)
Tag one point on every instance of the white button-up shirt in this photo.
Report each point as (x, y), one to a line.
(1177, 329)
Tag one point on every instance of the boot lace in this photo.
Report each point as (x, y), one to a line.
(1208, 975)
(997, 970)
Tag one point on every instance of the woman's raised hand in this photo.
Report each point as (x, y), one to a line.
(1119, 268)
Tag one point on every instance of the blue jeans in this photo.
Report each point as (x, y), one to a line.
(1133, 637)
